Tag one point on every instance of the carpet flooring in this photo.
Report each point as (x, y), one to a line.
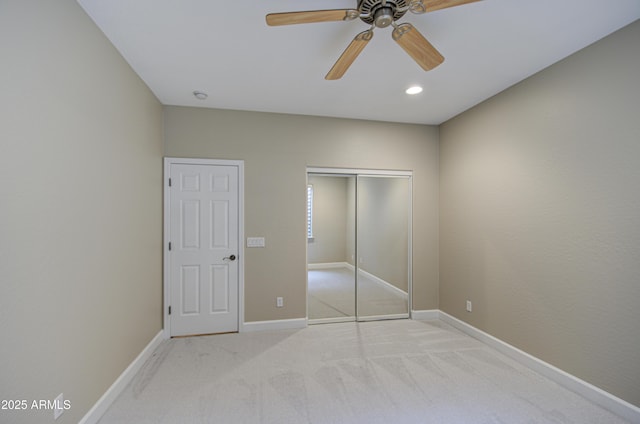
(399, 371)
(332, 295)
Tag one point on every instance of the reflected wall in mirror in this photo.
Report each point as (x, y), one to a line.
(331, 250)
(383, 247)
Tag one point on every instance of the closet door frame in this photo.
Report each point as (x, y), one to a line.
(360, 172)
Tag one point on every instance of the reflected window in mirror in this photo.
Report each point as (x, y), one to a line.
(309, 211)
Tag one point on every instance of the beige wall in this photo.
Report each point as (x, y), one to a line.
(80, 207)
(540, 215)
(277, 149)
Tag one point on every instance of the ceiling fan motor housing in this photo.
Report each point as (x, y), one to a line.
(374, 12)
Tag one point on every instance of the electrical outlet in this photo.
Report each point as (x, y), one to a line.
(58, 408)
(279, 302)
(469, 306)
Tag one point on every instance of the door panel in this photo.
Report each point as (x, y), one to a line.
(204, 220)
(220, 224)
(190, 290)
(190, 224)
(219, 289)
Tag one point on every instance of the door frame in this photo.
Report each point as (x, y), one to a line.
(166, 273)
(358, 172)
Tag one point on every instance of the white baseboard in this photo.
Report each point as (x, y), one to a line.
(278, 324)
(330, 320)
(329, 265)
(369, 318)
(101, 406)
(589, 391)
(385, 284)
(425, 315)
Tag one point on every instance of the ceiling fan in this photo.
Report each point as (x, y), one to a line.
(378, 14)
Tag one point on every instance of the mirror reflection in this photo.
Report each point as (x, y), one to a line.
(358, 247)
(331, 247)
(383, 247)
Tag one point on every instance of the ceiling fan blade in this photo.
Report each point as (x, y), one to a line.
(432, 5)
(311, 16)
(349, 55)
(410, 39)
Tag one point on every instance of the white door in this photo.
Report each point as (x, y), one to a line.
(203, 252)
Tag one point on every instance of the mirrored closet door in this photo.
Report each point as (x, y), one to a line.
(359, 245)
(331, 220)
(383, 217)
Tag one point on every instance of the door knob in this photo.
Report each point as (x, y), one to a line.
(231, 258)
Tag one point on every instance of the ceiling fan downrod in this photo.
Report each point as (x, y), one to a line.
(383, 17)
(381, 13)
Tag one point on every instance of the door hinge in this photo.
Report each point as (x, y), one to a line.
(169, 310)
(169, 245)
(169, 182)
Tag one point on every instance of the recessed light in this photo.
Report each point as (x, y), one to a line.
(200, 95)
(414, 89)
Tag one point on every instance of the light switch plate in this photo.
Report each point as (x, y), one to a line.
(255, 242)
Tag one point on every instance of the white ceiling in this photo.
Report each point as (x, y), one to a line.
(226, 50)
